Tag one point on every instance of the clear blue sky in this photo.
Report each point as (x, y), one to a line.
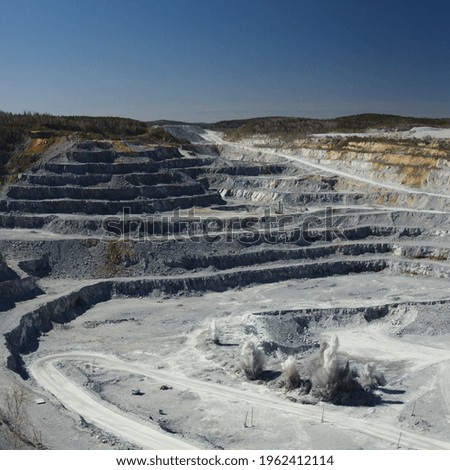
(205, 60)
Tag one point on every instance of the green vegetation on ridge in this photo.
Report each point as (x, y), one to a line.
(23, 137)
(14, 128)
(293, 127)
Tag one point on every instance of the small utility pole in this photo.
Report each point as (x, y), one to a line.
(413, 410)
(245, 422)
(398, 443)
(323, 414)
(251, 418)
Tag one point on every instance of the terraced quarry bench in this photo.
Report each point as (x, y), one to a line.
(270, 246)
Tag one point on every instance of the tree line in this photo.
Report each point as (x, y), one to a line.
(14, 128)
(295, 127)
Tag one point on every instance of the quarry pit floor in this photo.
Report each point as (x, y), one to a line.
(193, 394)
(147, 353)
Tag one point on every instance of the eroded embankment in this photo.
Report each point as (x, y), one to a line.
(23, 337)
(15, 286)
(90, 258)
(355, 183)
(291, 331)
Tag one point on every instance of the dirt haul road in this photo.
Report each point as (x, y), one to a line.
(94, 410)
(214, 137)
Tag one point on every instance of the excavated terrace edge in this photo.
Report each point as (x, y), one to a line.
(26, 327)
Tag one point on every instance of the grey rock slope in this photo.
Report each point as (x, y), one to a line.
(91, 223)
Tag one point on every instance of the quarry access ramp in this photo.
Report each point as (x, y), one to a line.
(223, 216)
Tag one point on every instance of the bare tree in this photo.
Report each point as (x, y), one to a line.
(16, 429)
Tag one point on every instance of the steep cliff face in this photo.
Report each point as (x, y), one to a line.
(265, 217)
(417, 168)
(319, 174)
(14, 286)
(422, 164)
(97, 178)
(23, 336)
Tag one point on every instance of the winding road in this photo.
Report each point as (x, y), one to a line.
(85, 403)
(214, 137)
(104, 415)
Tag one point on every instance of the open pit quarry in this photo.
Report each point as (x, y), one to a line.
(228, 294)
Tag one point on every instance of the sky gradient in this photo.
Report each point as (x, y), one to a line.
(200, 60)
